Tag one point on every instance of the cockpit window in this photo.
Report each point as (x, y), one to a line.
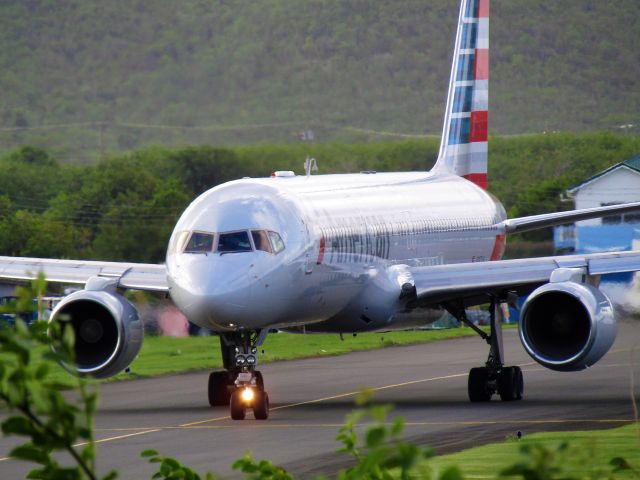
(276, 242)
(261, 240)
(199, 242)
(234, 242)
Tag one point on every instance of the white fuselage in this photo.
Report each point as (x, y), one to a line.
(349, 244)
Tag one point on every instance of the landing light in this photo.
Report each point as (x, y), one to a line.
(247, 394)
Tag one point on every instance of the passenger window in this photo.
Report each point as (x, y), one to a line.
(276, 242)
(261, 241)
(234, 242)
(199, 243)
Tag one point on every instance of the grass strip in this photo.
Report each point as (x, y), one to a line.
(587, 454)
(164, 355)
(171, 355)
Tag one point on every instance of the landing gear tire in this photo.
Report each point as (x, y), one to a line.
(510, 384)
(261, 405)
(259, 380)
(478, 385)
(218, 389)
(238, 411)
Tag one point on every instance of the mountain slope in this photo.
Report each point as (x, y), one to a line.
(121, 68)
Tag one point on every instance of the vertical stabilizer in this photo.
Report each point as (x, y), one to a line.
(463, 147)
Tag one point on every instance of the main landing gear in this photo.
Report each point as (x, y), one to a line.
(240, 385)
(494, 377)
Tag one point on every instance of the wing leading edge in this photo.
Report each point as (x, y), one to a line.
(136, 276)
(534, 222)
(474, 282)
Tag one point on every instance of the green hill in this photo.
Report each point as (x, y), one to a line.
(107, 76)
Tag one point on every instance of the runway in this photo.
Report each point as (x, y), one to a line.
(310, 398)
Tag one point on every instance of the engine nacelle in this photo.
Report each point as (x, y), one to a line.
(107, 328)
(567, 326)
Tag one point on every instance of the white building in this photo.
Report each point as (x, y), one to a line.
(617, 184)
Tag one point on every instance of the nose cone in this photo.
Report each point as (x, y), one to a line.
(225, 289)
(214, 290)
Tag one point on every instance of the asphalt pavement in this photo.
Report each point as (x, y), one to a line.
(310, 398)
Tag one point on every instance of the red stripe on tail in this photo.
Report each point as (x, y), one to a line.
(483, 8)
(479, 126)
(479, 179)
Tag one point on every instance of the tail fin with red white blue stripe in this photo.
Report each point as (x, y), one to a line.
(463, 147)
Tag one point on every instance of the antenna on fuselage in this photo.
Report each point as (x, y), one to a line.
(310, 165)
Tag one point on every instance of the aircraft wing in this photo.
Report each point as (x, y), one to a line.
(137, 276)
(473, 283)
(534, 222)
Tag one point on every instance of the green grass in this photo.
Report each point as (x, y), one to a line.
(589, 452)
(170, 355)
(164, 355)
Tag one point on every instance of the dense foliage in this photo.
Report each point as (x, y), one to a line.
(124, 207)
(121, 75)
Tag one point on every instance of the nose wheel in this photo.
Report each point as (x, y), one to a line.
(219, 388)
(240, 386)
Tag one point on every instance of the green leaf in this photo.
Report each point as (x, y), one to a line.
(30, 453)
(17, 426)
(68, 339)
(150, 452)
(375, 436)
(21, 351)
(379, 412)
(398, 426)
(364, 397)
(42, 371)
(451, 473)
(112, 475)
(38, 473)
(171, 463)
(620, 464)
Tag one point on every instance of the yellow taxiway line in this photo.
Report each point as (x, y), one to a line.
(200, 424)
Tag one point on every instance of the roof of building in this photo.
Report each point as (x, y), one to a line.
(632, 163)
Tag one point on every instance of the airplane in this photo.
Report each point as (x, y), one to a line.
(352, 253)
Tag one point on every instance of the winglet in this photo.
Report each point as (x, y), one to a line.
(464, 147)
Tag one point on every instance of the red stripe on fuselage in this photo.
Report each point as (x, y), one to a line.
(479, 126)
(498, 248)
(321, 253)
(483, 8)
(481, 67)
(479, 179)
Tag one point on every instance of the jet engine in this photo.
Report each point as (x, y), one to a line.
(567, 326)
(108, 332)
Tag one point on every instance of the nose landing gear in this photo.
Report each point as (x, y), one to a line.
(240, 386)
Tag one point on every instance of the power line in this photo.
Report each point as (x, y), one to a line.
(213, 128)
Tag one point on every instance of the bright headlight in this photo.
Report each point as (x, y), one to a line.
(251, 360)
(247, 394)
(240, 360)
